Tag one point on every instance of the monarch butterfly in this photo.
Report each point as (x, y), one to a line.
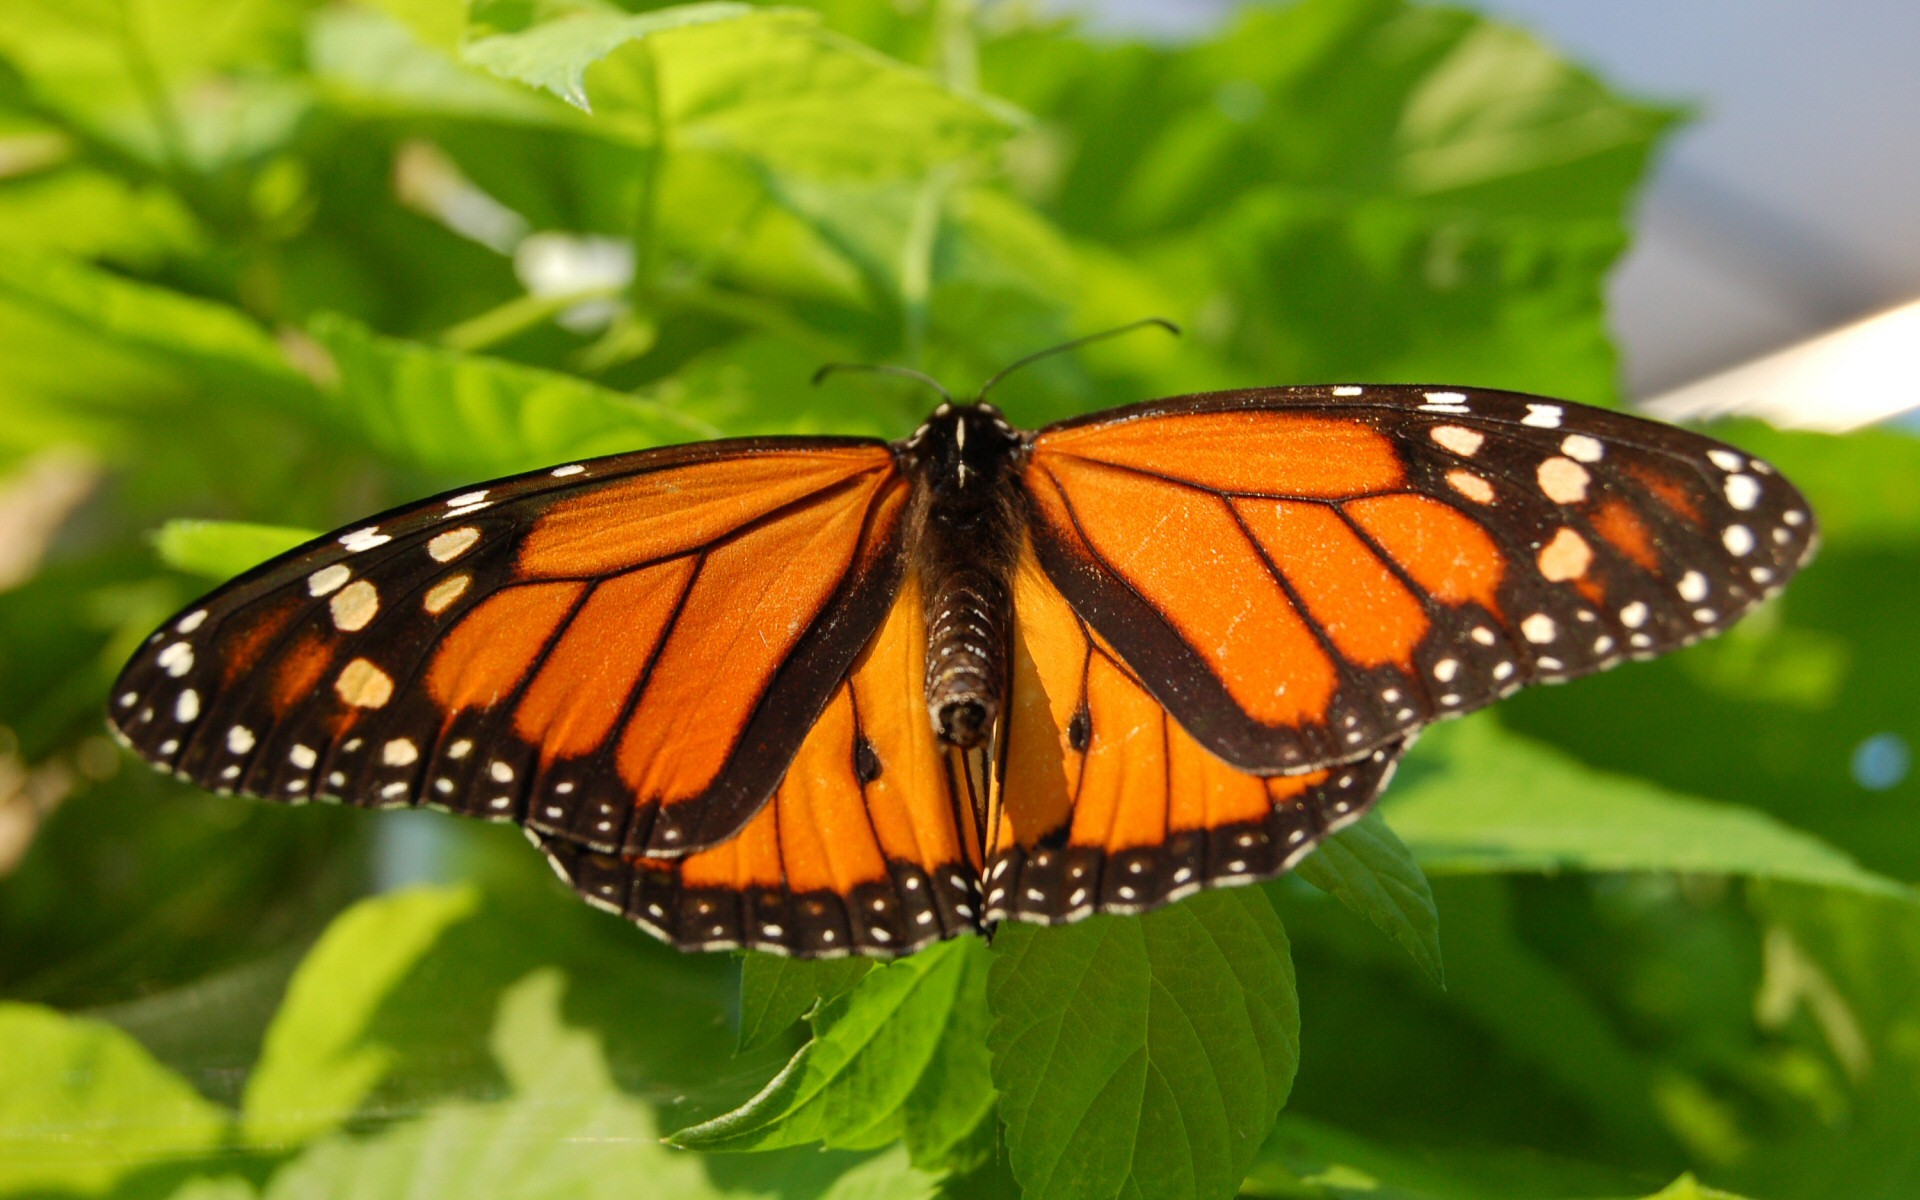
(830, 695)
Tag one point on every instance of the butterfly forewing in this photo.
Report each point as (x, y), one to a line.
(1305, 575)
(622, 653)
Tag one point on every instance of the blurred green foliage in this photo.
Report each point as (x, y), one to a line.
(267, 266)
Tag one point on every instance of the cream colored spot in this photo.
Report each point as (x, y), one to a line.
(399, 752)
(569, 469)
(327, 579)
(176, 660)
(1542, 416)
(1738, 539)
(1726, 460)
(1743, 491)
(192, 621)
(1583, 448)
(364, 539)
(1538, 629)
(355, 605)
(444, 593)
(460, 749)
(303, 757)
(1563, 480)
(187, 707)
(1471, 486)
(1347, 391)
(453, 543)
(1692, 587)
(1566, 557)
(364, 685)
(1459, 439)
(1634, 615)
(501, 772)
(239, 739)
(466, 498)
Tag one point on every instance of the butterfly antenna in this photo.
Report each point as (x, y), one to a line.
(1076, 343)
(883, 369)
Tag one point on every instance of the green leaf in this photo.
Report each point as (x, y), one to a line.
(219, 550)
(1371, 871)
(764, 84)
(1143, 1056)
(470, 417)
(901, 1053)
(82, 1105)
(1306, 1159)
(776, 991)
(1548, 813)
(315, 1067)
(555, 54)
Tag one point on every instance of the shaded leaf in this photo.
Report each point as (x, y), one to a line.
(1143, 1056)
(1370, 870)
(777, 991)
(896, 1055)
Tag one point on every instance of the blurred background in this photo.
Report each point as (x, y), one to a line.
(266, 268)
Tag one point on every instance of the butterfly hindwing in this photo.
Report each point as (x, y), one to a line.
(1109, 805)
(1304, 575)
(866, 846)
(622, 653)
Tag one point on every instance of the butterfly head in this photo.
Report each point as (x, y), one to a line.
(962, 452)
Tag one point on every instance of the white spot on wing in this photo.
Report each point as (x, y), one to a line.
(192, 621)
(176, 660)
(1738, 539)
(363, 539)
(1563, 480)
(303, 757)
(354, 606)
(569, 469)
(187, 707)
(445, 547)
(1457, 438)
(1743, 491)
(239, 739)
(1726, 460)
(399, 752)
(1538, 629)
(328, 579)
(1582, 448)
(442, 595)
(1566, 557)
(363, 685)
(1692, 587)
(1543, 416)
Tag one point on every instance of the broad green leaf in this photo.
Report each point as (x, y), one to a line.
(555, 54)
(777, 991)
(1368, 869)
(1143, 1056)
(182, 329)
(900, 1053)
(470, 417)
(316, 1067)
(764, 84)
(82, 1105)
(1496, 802)
(219, 550)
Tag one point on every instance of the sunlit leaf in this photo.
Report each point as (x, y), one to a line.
(777, 991)
(315, 1067)
(219, 550)
(899, 1054)
(1548, 813)
(82, 1105)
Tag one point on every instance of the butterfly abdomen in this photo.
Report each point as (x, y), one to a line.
(967, 541)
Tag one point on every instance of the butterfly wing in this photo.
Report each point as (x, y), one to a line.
(623, 653)
(866, 847)
(1305, 575)
(1109, 805)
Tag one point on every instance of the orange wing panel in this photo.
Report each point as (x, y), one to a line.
(751, 601)
(573, 703)
(1447, 553)
(1109, 805)
(493, 647)
(1364, 608)
(663, 513)
(1247, 452)
(1184, 551)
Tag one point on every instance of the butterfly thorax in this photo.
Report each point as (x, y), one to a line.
(966, 458)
